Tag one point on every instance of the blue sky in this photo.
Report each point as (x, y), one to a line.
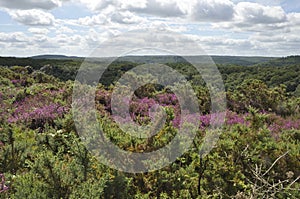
(220, 27)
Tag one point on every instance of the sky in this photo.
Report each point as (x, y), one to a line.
(219, 27)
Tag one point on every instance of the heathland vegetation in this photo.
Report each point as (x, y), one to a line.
(257, 155)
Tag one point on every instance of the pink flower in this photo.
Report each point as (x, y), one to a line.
(3, 187)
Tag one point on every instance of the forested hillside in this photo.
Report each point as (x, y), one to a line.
(271, 71)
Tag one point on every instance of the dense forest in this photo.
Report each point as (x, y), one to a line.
(257, 154)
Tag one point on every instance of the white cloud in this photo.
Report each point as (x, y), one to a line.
(99, 19)
(13, 37)
(98, 4)
(254, 17)
(289, 33)
(39, 31)
(110, 18)
(134, 4)
(294, 18)
(33, 17)
(213, 10)
(254, 13)
(31, 4)
(126, 18)
(18, 43)
(64, 30)
(159, 8)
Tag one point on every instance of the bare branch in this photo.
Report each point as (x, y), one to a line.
(294, 181)
(275, 162)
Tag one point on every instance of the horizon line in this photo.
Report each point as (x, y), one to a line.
(146, 55)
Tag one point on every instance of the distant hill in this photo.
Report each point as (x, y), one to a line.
(283, 61)
(40, 60)
(55, 57)
(241, 60)
(223, 60)
(37, 63)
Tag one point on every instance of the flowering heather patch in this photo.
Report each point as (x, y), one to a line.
(19, 82)
(167, 99)
(4, 108)
(205, 120)
(278, 124)
(37, 110)
(3, 111)
(103, 97)
(292, 124)
(141, 106)
(233, 118)
(139, 112)
(47, 112)
(15, 81)
(3, 187)
(139, 109)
